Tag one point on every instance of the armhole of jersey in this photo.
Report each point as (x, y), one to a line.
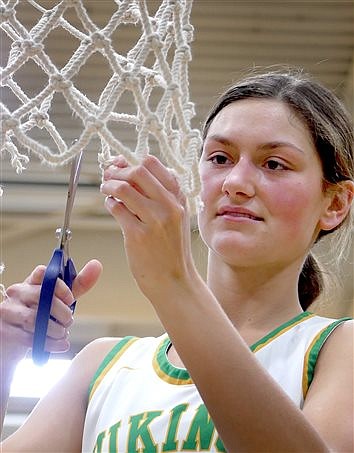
(313, 351)
(107, 363)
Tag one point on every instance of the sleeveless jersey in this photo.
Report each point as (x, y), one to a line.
(140, 402)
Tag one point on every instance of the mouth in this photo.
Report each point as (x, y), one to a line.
(238, 213)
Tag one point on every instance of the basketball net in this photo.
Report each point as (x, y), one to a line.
(158, 59)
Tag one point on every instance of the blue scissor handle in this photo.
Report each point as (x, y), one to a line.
(69, 276)
(55, 270)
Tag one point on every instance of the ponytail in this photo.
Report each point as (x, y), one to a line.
(310, 283)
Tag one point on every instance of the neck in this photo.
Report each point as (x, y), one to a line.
(255, 298)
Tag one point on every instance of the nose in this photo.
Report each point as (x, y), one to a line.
(240, 180)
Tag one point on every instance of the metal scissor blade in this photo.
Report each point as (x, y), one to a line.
(73, 183)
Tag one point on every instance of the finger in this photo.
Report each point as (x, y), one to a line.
(29, 294)
(138, 177)
(23, 293)
(126, 192)
(56, 346)
(63, 292)
(36, 277)
(17, 314)
(18, 336)
(126, 219)
(61, 312)
(118, 162)
(55, 330)
(165, 175)
(86, 278)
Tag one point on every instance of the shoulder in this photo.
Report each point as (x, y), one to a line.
(113, 354)
(323, 334)
(338, 345)
(100, 355)
(93, 354)
(104, 350)
(335, 357)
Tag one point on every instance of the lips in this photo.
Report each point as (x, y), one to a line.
(237, 212)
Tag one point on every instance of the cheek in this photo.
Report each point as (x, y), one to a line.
(210, 187)
(209, 194)
(298, 204)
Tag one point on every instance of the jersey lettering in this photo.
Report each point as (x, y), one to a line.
(113, 437)
(170, 443)
(99, 441)
(200, 432)
(139, 431)
(200, 435)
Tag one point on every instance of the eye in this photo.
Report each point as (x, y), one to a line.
(273, 164)
(219, 159)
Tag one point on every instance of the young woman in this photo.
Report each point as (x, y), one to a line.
(277, 175)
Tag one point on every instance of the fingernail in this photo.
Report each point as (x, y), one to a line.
(120, 161)
(110, 202)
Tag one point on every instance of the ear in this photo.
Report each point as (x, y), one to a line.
(339, 198)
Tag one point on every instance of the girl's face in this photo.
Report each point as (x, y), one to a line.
(261, 185)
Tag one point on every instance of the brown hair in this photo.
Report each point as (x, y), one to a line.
(331, 130)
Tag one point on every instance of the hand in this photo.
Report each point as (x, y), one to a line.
(151, 209)
(19, 309)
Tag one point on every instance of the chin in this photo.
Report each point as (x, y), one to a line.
(236, 252)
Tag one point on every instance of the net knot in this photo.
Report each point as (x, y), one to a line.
(154, 41)
(30, 47)
(128, 79)
(94, 124)
(6, 13)
(189, 32)
(40, 118)
(189, 109)
(99, 40)
(59, 83)
(8, 122)
(131, 16)
(153, 123)
(173, 89)
(184, 50)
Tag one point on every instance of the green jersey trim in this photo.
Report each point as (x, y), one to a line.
(180, 376)
(313, 351)
(111, 358)
(280, 330)
(165, 370)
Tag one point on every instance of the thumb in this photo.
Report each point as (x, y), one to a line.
(86, 278)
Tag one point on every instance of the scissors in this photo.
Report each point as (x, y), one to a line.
(60, 266)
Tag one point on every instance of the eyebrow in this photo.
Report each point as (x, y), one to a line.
(279, 144)
(274, 144)
(220, 139)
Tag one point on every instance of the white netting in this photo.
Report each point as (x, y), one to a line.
(147, 65)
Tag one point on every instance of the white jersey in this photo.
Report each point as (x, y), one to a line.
(140, 402)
